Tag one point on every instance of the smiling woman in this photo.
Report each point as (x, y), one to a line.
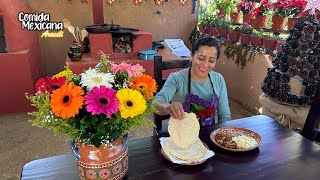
(198, 89)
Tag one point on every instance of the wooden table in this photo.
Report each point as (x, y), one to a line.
(283, 154)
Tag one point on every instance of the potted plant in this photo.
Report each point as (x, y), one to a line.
(96, 109)
(295, 8)
(223, 29)
(235, 14)
(256, 38)
(215, 24)
(246, 8)
(261, 14)
(280, 16)
(204, 23)
(234, 34)
(246, 30)
(269, 42)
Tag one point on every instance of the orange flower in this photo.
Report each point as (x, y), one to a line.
(67, 100)
(146, 85)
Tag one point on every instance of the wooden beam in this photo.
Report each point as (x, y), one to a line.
(97, 11)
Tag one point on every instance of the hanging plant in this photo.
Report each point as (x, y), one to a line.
(110, 2)
(158, 2)
(137, 2)
(183, 2)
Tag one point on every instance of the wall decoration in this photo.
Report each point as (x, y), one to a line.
(110, 2)
(194, 6)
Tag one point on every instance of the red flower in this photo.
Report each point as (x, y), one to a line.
(203, 114)
(49, 84)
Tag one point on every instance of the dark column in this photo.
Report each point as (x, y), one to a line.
(97, 11)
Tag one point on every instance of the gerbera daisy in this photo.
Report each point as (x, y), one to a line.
(135, 70)
(146, 85)
(92, 78)
(115, 68)
(102, 100)
(48, 84)
(132, 103)
(67, 100)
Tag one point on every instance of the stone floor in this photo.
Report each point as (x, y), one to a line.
(21, 143)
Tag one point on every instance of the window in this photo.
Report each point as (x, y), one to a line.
(2, 37)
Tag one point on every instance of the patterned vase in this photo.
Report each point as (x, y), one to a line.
(109, 162)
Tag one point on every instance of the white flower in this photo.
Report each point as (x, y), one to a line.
(92, 78)
(275, 51)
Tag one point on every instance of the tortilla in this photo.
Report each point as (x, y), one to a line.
(194, 152)
(184, 132)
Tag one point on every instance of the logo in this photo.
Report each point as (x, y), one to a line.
(41, 22)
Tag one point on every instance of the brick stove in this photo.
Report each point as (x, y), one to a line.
(117, 42)
(104, 41)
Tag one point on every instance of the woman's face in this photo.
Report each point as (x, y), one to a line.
(203, 61)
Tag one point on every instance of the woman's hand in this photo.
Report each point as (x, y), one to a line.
(175, 110)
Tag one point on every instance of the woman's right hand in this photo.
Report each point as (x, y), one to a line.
(175, 110)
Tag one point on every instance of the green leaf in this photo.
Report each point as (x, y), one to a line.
(96, 141)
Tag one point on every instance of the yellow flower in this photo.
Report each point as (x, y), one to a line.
(131, 104)
(63, 73)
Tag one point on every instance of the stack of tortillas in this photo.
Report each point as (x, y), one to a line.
(184, 142)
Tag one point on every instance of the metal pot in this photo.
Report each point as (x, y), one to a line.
(147, 54)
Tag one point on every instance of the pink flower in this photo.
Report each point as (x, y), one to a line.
(135, 70)
(104, 173)
(102, 100)
(120, 67)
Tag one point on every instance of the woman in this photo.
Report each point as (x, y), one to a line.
(197, 87)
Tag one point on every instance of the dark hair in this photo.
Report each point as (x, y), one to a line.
(206, 41)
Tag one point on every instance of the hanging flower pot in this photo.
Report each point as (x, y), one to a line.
(256, 41)
(234, 36)
(291, 22)
(261, 21)
(246, 39)
(109, 162)
(235, 17)
(246, 18)
(213, 31)
(278, 23)
(269, 44)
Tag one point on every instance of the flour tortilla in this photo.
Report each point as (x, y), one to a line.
(194, 152)
(184, 133)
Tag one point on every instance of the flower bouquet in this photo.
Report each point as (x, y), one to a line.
(96, 109)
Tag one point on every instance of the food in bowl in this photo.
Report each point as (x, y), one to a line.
(229, 140)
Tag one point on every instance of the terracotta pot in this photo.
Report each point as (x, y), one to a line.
(245, 39)
(278, 23)
(261, 21)
(201, 28)
(235, 17)
(206, 29)
(222, 12)
(279, 44)
(223, 33)
(213, 31)
(246, 18)
(109, 162)
(269, 44)
(234, 36)
(291, 22)
(256, 41)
